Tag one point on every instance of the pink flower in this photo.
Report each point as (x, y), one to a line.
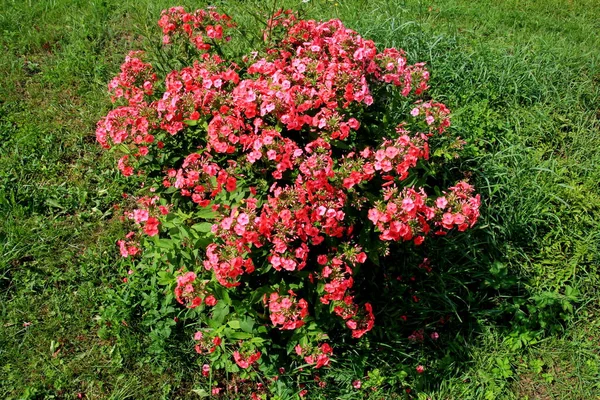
(125, 169)
(459, 219)
(408, 205)
(245, 362)
(226, 223)
(391, 152)
(420, 369)
(441, 202)
(140, 215)
(447, 220)
(210, 301)
(123, 248)
(151, 227)
(361, 257)
(243, 219)
(373, 215)
(357, 384)
(163, 210)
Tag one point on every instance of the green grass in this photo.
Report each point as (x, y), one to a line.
(523, 81)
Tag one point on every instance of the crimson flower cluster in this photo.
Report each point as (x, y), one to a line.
(206, 343)
(146, 218)
(286, 311)
(200, 27)
(318, 356)
(191, 292)
(244, 360)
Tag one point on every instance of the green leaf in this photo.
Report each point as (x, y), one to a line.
(165, 244)
(257, 296)
(201, 392)
(237, 335)
(53, 203)
(203, 227)
(165, 278)
(205, 213)
(246, 324)
(222, 294)
(257, 341)
(235, 324)
(220, 311)
(123, 148)
(203, 242)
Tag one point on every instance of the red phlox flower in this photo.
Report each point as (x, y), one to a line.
(136, 79)
(206, 342)
(244, 361)
(191, 291)
(286, 311)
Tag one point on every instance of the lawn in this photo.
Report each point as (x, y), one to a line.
(522, 79)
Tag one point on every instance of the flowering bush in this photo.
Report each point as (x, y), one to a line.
(275, 181)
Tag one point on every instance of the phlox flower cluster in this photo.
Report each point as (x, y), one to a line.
(200, 179)
(406, 215)
(192, 291)
(459, 208)
(287, 311)
(146, 215)
(283, 127)
(129, 246)
(136, 79)
(206, 343)
(200, 27)
(318, 356)
(337, 274)
(246, 358)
